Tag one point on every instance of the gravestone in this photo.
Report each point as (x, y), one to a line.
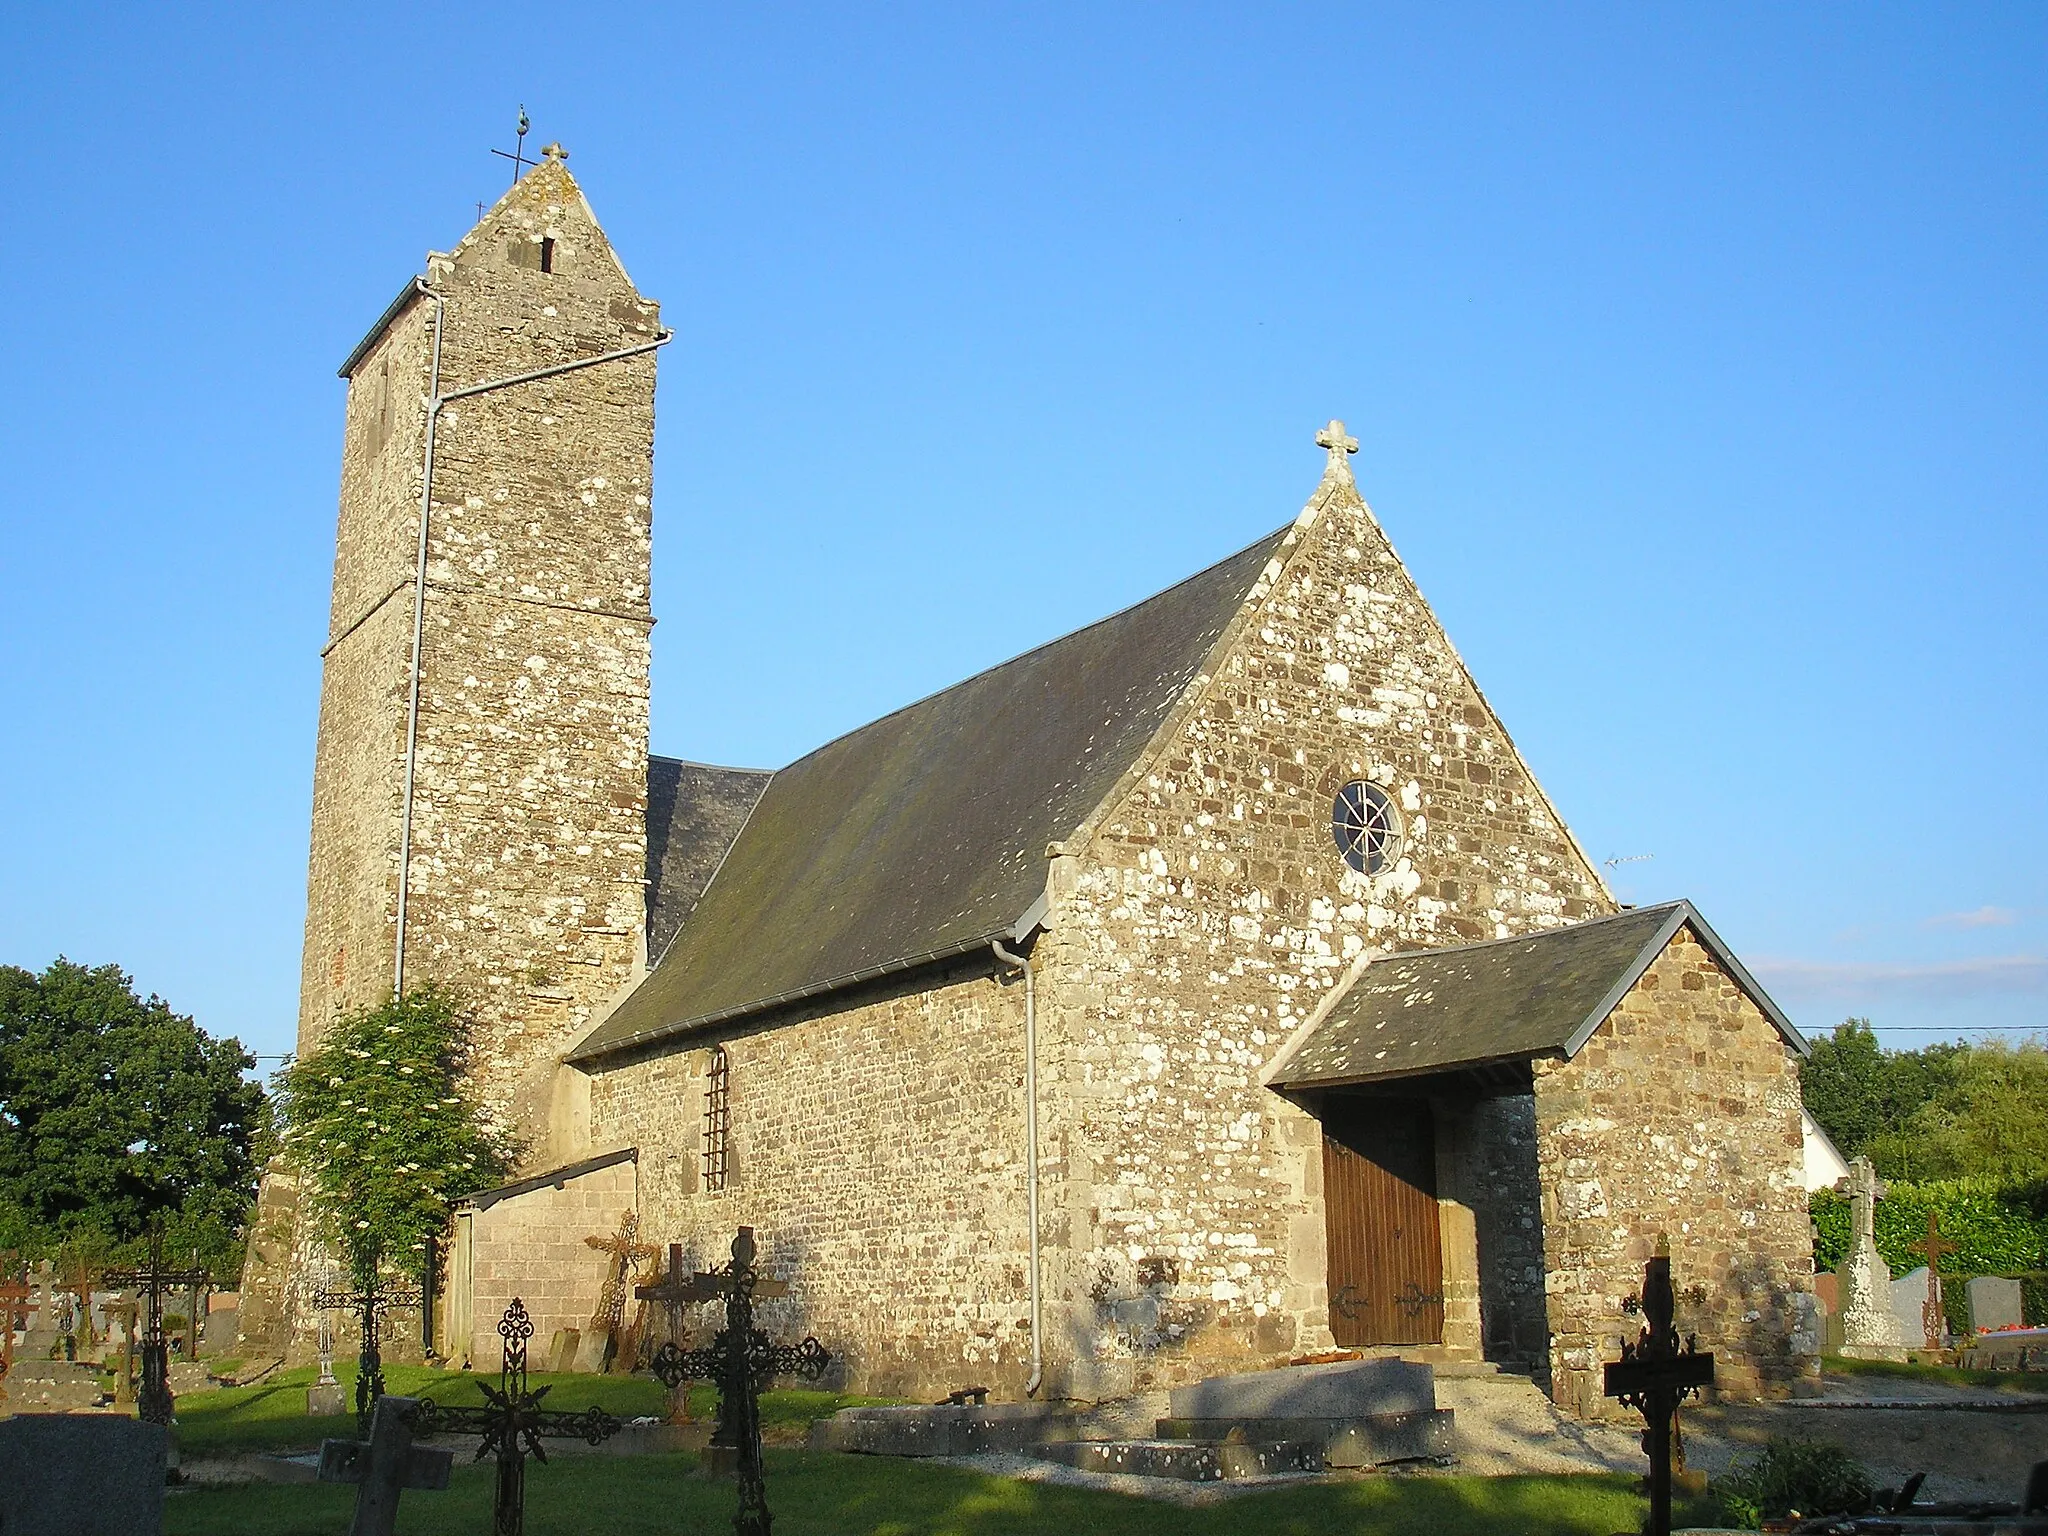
(1870, 1325)
(384, 1466)
(562, 1351)
(1909, 1303)
(83, 1475)
(1994, 1303)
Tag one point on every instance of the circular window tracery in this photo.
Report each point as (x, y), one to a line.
(1365, 826)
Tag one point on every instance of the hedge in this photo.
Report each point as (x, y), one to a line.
(1997, 1229)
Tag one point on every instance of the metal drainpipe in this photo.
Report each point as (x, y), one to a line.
(1030, 1161)
(435, 401)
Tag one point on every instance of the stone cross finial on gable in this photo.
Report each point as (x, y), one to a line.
(554, 152)
(1341, 448)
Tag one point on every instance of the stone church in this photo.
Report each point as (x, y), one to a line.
(1212, 987)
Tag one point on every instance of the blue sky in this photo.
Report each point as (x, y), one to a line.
(1696, 354)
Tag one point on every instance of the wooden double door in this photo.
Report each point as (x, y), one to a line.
(1379, 1201)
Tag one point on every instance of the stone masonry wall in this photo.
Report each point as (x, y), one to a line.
(532, 1246)
(1678, 1119)
(529, 817)
(1200, 919)
(879, 1153)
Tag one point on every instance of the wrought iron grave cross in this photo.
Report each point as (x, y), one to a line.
(14, 1294)
(384, 1465)
(627, 1254)
(674, 1291)
(741, 1359)
(1652, 1375)
(153, 1403)
(512, 1422)
(369, 1302)
(1933, 1319)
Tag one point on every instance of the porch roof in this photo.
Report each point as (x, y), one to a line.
(1543, 994)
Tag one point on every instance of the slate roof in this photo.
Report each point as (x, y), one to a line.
(922, 836)
(694, 812)
(1543, 994)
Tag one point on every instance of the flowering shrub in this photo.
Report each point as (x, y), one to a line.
(382, 1132)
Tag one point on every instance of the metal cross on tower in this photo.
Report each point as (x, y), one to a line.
(153, 1402)
(741, 1359)
(369, 1303)
(1933, 1319)
(517, 154)
(1652, 1375)
(512, 1422)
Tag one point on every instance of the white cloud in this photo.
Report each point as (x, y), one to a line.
(1932, 979)
(1983, 917)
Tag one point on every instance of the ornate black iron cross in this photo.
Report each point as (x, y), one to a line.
(512, 1422)
(1652, 1375)
(741, 1359)
(154, 1402)
(369, 1302)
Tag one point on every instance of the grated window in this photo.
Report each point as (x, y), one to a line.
(1367, 831)
(717, 1117)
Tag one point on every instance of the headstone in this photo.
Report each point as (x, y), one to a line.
(1870, 1326)
(190, 1376)
(384, 1466)
(1909, 1303)
(1994, 1303)
(82, 1475)
(562, 1349)
(325, 1399)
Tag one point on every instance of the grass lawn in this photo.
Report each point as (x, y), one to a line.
(1947, 1375)
(271, 1415)
(831, 1495)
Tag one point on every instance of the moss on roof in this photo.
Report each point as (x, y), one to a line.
(924, 834)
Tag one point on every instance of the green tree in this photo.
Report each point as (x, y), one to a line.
(116, 1113)
(1859, 1092)
(382, 1129)
(1987, 1120)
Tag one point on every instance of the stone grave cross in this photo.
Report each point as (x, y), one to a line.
(627, 1254)
(384, 1465)
(369, 1301)
(1932, 1317)
(1652, 1375)
(154, 1402)
(742, 1359)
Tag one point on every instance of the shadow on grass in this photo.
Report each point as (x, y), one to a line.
(828, 1495)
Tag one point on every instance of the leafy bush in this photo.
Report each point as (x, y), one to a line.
(381, 1126)
(1996, 1228)
(1788, 1475)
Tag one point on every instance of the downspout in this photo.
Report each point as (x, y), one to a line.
(1037, 1378)
(435, 401)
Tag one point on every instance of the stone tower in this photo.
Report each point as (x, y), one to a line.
(482, 821)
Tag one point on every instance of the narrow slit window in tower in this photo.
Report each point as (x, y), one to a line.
(547, 253)
(717, 1117)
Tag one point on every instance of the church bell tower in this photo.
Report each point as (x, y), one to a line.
(480, 780)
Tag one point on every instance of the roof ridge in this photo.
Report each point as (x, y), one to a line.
(691, 762)
(1430, 951)
(1021, 656)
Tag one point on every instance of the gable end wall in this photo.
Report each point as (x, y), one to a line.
(1208, 912)
(1678, 1118)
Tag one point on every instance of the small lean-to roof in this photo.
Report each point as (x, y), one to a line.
(694, 813)
(922, 836)
(1543, 994)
